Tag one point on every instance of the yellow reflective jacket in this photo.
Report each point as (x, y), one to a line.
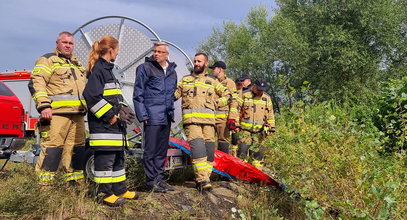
(198, 92)
(222, 113)
(58, 82)
(256, 111)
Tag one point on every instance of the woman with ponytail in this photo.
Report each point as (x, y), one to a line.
(107, 130)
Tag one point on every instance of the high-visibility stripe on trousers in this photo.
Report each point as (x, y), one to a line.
(110, 172)
(74, 176)
(110, 176)
(200, 166)
(60, 140)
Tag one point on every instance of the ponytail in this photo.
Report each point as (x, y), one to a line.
(93, 55)
(99, 48)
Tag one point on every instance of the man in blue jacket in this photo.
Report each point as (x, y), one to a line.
(153, 99)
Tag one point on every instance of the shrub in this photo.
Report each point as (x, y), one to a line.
(331, 160)
(392, 115)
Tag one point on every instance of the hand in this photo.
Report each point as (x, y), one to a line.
(231, 123)
(113, 119)
(46, 113)
(145, 122)
(126, 115)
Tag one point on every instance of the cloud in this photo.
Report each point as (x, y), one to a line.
(29, 28)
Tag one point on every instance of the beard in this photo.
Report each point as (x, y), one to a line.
(199, 69)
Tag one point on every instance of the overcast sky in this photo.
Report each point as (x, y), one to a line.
(29, 27)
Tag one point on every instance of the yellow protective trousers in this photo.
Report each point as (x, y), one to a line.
(62, 144)
(246, 140)
(202, 141)
(223, 132)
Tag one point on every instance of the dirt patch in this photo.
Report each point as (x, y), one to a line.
(187, 203)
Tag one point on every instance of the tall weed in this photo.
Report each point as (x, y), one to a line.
(331, 160)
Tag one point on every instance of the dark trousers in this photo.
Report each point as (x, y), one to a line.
(155, 151)
(110, 172)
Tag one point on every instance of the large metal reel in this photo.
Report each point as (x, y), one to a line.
(135, 43)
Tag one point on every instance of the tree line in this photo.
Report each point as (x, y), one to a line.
(321, 50)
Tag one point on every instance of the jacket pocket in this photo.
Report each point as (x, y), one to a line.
(187, 96)
(62, 79)
(210, 99)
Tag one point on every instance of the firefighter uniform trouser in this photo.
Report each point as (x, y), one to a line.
(62, 143)
(202, 141)
(245, 141)
(234, 142)
(155, 152)
(223, 136)
(110, 174)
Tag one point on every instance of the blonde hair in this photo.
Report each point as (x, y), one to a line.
(100, 48)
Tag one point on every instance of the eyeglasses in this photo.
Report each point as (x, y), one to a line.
(159, 51)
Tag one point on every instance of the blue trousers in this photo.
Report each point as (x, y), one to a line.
(156, 139)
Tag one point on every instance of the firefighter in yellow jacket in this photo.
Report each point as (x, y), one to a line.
(57, 82)
(256, 121)
(225, 115)
(198, 92)
(243, 84)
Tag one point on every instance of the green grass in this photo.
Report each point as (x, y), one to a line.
(22, 198)
(330, 162)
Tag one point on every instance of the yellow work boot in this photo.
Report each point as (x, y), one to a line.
(114, 201)
(129, 195)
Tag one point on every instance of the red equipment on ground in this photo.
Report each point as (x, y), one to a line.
(230, 166)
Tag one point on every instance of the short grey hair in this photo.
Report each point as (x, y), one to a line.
(162, 43)
(64, 33)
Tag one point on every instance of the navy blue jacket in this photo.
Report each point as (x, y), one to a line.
(103, 97)
(153, 95)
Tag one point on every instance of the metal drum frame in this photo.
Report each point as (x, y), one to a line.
(136, 41)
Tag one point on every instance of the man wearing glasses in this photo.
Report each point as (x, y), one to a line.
(153, 99)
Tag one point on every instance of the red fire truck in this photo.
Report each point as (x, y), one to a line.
(17, 81)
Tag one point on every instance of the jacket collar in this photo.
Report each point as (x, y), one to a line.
(223, 78)
(72, 59)
(156, 64)
(200, 75)
(105, 64)
(59, 54)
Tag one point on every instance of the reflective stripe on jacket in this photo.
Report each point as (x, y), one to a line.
(200, 94)
(58, 82)
(230, 110)
(256, 111)
(104, 97)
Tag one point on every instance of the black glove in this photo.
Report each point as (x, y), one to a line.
(43, 122)
(126, 115)
(272, 130)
